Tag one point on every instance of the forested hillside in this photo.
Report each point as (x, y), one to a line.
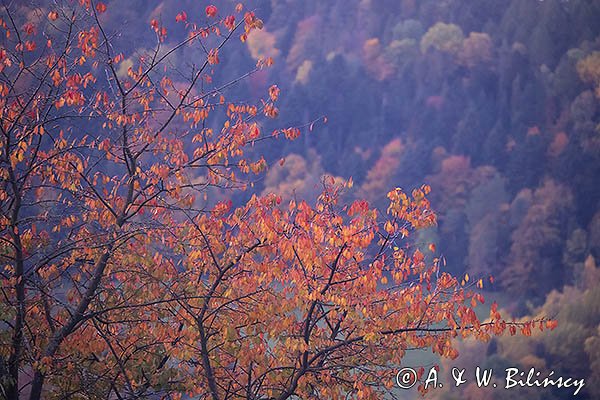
(495, 104)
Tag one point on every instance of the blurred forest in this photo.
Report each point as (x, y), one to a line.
(494, 103)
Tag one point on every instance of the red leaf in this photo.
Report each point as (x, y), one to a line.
(181, 17)
(29, 29)
(230, 22)
(211, 11)
(101, 7)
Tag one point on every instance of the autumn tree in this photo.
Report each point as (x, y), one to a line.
(382, 171)
(97, 154)
(537, 238)
(477, 48)
(447, 38)
(589, 70)
(122, 279)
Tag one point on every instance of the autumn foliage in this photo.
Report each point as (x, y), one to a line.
(122, 279)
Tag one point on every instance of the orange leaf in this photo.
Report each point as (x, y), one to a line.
(101, 7)
(230, 22)
(274, 92)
